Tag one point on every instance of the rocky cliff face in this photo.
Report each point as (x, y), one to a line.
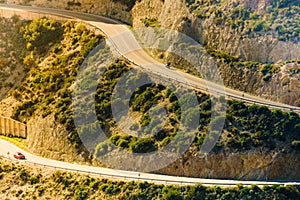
(175, 15)
(48, 138)
(260, 49)
(251, 165)
(284, 86)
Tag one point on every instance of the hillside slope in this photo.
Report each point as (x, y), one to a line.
(51, 55)
(43, 101)
(263, 35)
(18, 181)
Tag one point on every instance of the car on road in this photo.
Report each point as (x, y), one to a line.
(19, 155)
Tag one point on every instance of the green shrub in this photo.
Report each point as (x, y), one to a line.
(145, 120)
(103, 148)
(143, 145)
(23, 175)
(150, 22)
(112, 189)
(41, 32)
(171, 194)
(33, 179)
(80, 193)
(123, 143)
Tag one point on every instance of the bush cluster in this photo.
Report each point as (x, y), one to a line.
(246, 126)
(150, 22)
(40, 32)
(67, 185)
(47, 88)
(280, 19)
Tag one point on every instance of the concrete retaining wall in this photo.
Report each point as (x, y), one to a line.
(11, 127)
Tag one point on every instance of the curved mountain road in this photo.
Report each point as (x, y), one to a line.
(7, 150)
(128, 47)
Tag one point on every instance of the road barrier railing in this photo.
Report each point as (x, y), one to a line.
(141, 177)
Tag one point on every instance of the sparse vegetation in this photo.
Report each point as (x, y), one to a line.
(18, 181)
(150, 22)
(280, 19)
(46, 89)
(224, 58)
(12, 69)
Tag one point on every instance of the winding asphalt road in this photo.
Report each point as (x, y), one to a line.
(128, 47)
(7, 150)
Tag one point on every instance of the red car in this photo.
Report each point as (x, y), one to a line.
(19, 155)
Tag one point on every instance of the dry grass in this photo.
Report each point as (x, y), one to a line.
(20, 142)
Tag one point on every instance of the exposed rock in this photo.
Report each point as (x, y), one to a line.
(261, 49)
(49, 139)
(256, 5)
(284, 86)
(251, 165)
(7, 105)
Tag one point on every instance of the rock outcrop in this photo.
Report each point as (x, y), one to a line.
(48, 138)
(251, 165)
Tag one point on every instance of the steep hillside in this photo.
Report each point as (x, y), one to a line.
(251, 133)
(11, 58)
(52, 53)
(255, 44)
(255, 143)
(262, 31)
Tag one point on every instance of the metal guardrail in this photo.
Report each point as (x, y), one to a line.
(104, 175)
(156, 180)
